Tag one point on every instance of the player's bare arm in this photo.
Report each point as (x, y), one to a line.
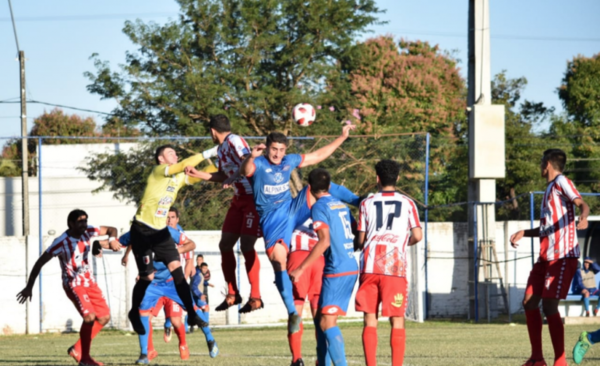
(247, 168)
(189, 269)
(416, 235)
(187, 246)
(217, 177)
(35, 272)
(323, 153)
(530, 233)
(316, 253)
(359, 241)
(125, 258)
(584, 210)
(112, 242)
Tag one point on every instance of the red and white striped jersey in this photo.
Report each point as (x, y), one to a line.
(183, 257)
(73, 256)
(304, 237)
(386, 218)
(558, 233)
(231, 155)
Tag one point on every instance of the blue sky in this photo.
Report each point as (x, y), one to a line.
(531, 38)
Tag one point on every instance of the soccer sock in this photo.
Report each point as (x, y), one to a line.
(183, 289)
(228, 265)
(594, 337)
(557, 335)
(150, 331)
(139, 290)
(369, 338)
(168, 323)
(295, 342)
(206, 330)
(144, 338)
(398, 343)
(586, 303)
(253, 270)
(335, 346)
(534, 327)
(181, 334)
(322, 354)
(85, 334)
(95, 330)
(284, 285)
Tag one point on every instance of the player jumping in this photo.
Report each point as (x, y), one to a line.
(387, 224)
(72, 249)
(551, 276)
(331, 222)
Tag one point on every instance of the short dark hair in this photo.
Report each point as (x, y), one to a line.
(75, 214)
(174, 209)
(277, 137)
(220, 123)
(387, 170)
(319, 180)
(159, 151)
(557, 158)
(204, 264)
(199, 256)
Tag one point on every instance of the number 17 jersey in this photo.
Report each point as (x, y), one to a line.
(386, 218)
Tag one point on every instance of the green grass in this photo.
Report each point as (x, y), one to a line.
(430, 343)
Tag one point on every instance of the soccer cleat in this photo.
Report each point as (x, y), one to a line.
(581, 347)
(90, 362)
(143, 360)
(252, 304)
(531, 362)
(152, 354)
(298, 362)
(194, 319)
(230, 300)
(167, 335)
(184, 352)
(136, 322)
(587, 314)
(74, 353)
(213, 349)
(294, 323)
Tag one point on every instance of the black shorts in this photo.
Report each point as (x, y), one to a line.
(146, 241)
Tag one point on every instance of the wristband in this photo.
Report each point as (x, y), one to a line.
(111, 239)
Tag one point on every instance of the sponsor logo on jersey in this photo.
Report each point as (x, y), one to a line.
(286, 168)
(273, 190)
(386, 238)
(161, 212)
(268, 170)
(398, 300)
(335, 205)
(170, 189)
(167, 200)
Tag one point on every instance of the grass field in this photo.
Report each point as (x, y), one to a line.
(430, 343)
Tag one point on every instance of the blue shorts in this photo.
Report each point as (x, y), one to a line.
(155, 291)
(278, 225)
(593, 291)
(336, 293)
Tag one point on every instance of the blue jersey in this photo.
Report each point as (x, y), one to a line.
(162, 273)
(329, 212)
(271, 182)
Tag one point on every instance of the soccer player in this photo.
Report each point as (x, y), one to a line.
(331, 222)
(388, 223)
(583, 344)
(551, 275)
(279, 213)
(72, 249)
(150, 234)
(241, 222)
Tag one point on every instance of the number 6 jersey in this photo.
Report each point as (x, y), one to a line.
(386, 218)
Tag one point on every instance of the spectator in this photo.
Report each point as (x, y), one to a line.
(584, 283)
(206, 274)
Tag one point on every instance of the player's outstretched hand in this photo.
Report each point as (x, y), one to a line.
(24, 295)
(229, 181)
(514, 238)
(346, 130)
(582, 224)
(295, 275)
(190, 170)
(125, 259)
(115, 245)
(258, 150)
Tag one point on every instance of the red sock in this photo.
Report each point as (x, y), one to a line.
(228, 265)
(253, 270)
(295, 341)
(85, 335)
(534, 327)
(557, 334)
(95, 330)
(398, 343)
(181, 334)
(369, 339)
(150, 341)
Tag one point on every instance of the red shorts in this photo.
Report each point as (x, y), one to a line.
(389, 291)
(172, 309)
(88, 300)
(242, 217)
(551, 280)
(311, 280)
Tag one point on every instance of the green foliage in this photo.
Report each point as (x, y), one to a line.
(580, 90)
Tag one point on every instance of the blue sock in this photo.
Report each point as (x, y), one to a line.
(206, 330)
(168, 323)
(594, 337)
(144, 338)
(335, 346)
(586, 303)
(187, 327)
(322, 354)
(284, 285)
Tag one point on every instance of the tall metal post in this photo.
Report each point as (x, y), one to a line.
(426, 221)
(40, 236)
(24, 173)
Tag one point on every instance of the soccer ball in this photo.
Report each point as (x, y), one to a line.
(304, 114)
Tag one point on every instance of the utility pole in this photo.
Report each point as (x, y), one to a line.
(486, 147)
(24, 165)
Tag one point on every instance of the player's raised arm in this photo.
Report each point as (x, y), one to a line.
(247, 168)
(35, 272)
(323, 153)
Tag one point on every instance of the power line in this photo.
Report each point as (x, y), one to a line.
(90, 17)
(499, 36)
(12, 18)
(58, 105)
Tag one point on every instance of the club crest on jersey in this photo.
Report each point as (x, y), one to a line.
(146, 259)
(86, 298)
(278, 178)
(398, 300)
(548, 282)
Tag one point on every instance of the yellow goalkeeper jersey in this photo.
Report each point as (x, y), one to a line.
(161, 190)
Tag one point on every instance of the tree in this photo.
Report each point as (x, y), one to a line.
(580, 90)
